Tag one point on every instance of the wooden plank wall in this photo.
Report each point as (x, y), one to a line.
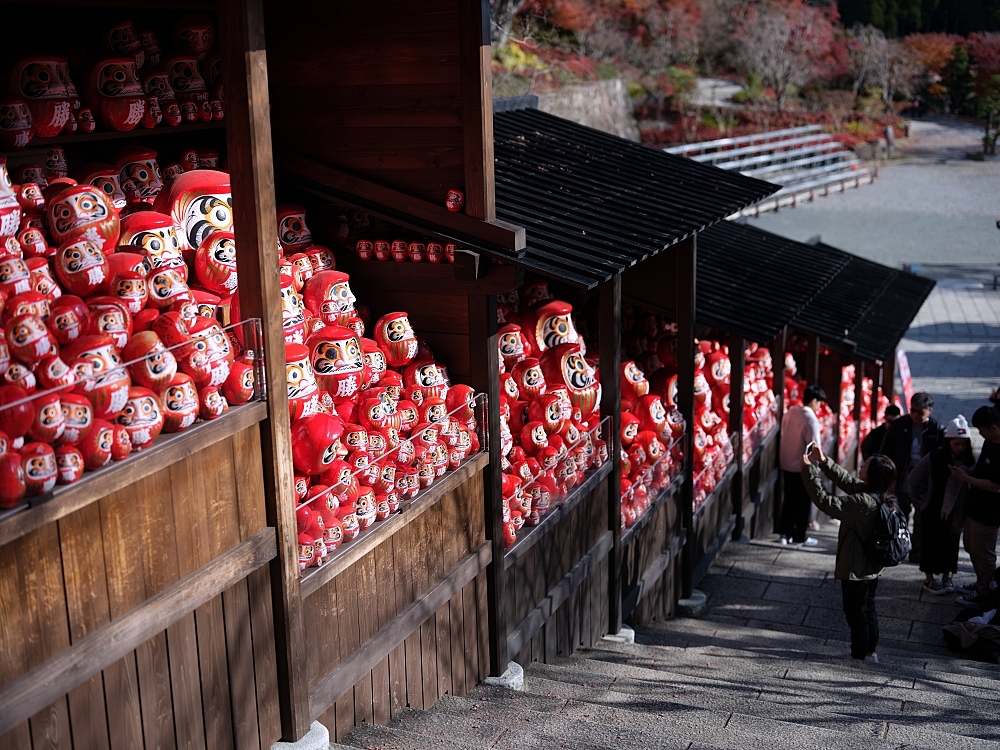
(373, 88)
(767, 487)
(583, 617)
(208, 681)
(710, 520)
(441, 319)
(447, 654)
(642, 554)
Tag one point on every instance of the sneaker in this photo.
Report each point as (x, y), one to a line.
(783, 541)
(873, 658)
(809, 542)
(935, 587)
(971, 600)
(966, 588)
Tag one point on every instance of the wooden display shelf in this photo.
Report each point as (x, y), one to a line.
(130, 4)
(727, 477)
(348, 554)
(37, 145)
(668, 492)
(755, 456)
(528, 540)
(94, 485)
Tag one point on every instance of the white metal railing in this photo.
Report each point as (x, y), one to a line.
(690, 149)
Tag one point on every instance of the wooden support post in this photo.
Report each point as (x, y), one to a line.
(812, 361)
(685, 254)
(829, 378)
(486, 379)
(889, 377)
(778, 364)
(477, 108)
(859, 377)
(737, 359)
(611, 387)
(248, 139)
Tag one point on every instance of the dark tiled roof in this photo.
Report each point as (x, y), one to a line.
(866, 309)
(594, 204)
(753, 283)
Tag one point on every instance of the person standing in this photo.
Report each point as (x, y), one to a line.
(875, 440)
(940, 496)
(799, 427)
(911, 438)
(858, 513)
(982, 507)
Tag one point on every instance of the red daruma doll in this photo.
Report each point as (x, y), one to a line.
(338, 362)
(395, 336)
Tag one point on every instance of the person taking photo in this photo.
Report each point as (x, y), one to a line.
(858, 511)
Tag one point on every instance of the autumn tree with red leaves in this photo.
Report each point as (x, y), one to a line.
(786, 43)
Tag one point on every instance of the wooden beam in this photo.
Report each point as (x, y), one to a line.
(33, 691)
(248, 140)
(685, 281)
(399, 207)
(373, 276)
(344, 676)
(168, 449)
(609, 346)
(485, 366)
(531, 624)
(477, 108)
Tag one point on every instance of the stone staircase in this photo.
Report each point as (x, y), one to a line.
(732, 681)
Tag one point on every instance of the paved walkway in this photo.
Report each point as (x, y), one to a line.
(764, 585)
(953, 347)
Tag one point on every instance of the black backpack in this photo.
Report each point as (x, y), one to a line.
(889, 543)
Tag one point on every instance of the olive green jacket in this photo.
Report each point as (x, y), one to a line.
(857, 513)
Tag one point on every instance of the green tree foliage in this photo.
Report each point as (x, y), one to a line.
(988, 111)
(958, 81)
(898, 18)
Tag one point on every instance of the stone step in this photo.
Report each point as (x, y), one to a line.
(499, 710)
(874, 699)
(773, 659)
(634, 725)
(439, 730)
(678, 702)
(880, 692)
(687, 632)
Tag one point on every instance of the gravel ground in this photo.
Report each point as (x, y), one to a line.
(931, 205)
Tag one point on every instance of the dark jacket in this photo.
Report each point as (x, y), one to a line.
(897, 445)
(874, 442)
(857, 514)
(929, 478)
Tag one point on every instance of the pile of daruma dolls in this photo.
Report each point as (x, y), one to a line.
(374, 420)
(550, 396)
(110, 334)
